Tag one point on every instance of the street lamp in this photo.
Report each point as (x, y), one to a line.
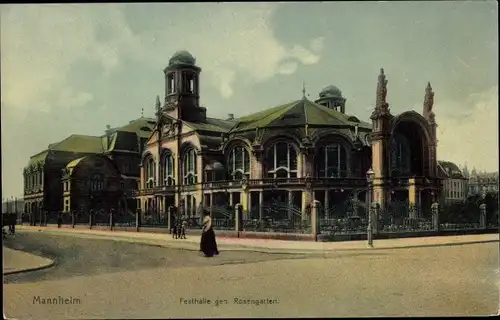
(369, 178)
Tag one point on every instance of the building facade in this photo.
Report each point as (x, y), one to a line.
(82, 172)
(482, 182)
(286, 156)
(454, 182)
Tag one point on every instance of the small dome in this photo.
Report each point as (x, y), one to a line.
(182, 57)
(330, 91)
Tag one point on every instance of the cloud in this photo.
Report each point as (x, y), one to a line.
(235, 40)
(471, 136)
(40, 43)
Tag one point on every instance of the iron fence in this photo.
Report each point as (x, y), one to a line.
(124, 219)
(349, 225)
(222, 217)
(155, 220)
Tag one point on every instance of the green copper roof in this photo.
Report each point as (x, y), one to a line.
(40, 157)
(78, 143)
(451, 170)
(212, 125)
(297, 113)
(74, 163)
(182, 57)
(142, 127)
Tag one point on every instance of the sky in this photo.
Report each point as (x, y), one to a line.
(75, 68)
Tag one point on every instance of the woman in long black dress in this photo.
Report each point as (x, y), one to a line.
(208, 245)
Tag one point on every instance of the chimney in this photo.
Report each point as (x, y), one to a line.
(230, 116)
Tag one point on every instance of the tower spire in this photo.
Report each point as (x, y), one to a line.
(428, 103)
(142, 113)
(381, 91)
(304, 90)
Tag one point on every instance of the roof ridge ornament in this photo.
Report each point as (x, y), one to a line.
(142, 112)
(381, 90)
(304, 90)
(429, 103)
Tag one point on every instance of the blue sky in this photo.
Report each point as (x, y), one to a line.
(76, 68)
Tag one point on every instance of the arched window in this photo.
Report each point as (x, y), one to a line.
(239, 163)
(97, 183)
(167, 170)
(400, 155)
(281, 161)
(332, 161)
(149, 169)
(189, 167)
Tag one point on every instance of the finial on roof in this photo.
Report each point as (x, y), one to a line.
(108, 127)
(304, 90)
(158, 104)
(142, 112)
(381, 90)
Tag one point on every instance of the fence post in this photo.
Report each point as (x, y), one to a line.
(482, 216)
(111, 219)
(73, 219)
(90, 218)
(137, 214)
(169, 218)
(314, 219)
(435, 216)
(237, 217)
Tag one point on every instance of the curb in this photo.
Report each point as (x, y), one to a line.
(25, 270)
(237, 247)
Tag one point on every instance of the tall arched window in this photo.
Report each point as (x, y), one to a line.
(149, 168)
(97, 183)
(332, 161)
(167, 170)
(239, 163)
(400, 155)
(281, 161)
(189, 167)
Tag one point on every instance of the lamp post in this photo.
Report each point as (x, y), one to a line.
(369, 230)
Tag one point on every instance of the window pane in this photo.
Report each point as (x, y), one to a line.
(247, 160)
(270, 159)
(238, 158)
(293, 158)
(282, 154)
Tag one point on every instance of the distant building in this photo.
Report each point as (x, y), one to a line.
(85, 172)
(13, 205)
(478, 183)
(454, 182)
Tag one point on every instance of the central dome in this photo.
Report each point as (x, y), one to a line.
(330, 91)
(182, 57)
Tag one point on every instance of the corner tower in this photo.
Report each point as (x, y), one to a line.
(331, 97)
(380, 140)
(182, 93)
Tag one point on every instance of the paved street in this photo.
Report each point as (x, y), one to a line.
(111, 279)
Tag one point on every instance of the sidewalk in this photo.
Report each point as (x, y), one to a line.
(15, 261)
(266, 245)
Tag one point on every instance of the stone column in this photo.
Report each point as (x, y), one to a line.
(290, 205)
(211, 197)
(261, 203)
(249, 206)
(314, 219)
(326, 207)
(435, 216)
(482, 216)
(237, 217)
(231, 199)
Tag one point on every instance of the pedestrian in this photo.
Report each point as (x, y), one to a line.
(13, 218)
(183, 228)
(208, 244)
